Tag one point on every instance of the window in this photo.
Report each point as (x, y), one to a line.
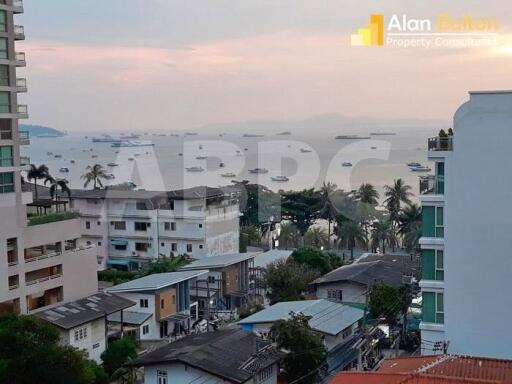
(200, 225)
(439, 222)
(200, 246)
(98, 223)
(189, 247)
(4, 75)
(335, 294)
(3, 21)
(440, 177)
(99, 243)
(265, 373)
(145, 329)
(141, 206)
(440, 265)
(80, 334)
(143, 303)
(433, 222)
(161, 377)
(439, 308)
(162, 303)
(87, 225)
(119, 225)
(5, 129)
(120, 247)
(433, 307)
(4, 49)
(141, 226)
(174, 247)
(167, 226)
(211, 279)
(347, 332)
(174, 299)
(88, 243)
(171, 205)
(432, 264)
(162, 244)
(6, 182)
(142, 247)
(5, 102)
(97, 345)
(173, 226)
(6, 156)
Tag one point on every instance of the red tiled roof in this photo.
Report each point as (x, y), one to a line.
(400, 378)
(406, 364)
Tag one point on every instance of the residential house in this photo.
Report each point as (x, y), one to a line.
(83, 323)
(162, 307)
(337, 323)
(224, 356)
(131, 228)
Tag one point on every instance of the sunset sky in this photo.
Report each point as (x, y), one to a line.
(168, 64)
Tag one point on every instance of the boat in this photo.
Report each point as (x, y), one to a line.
(382, 134)
(57, 156)
(304, 150)
(49, 153)
(180, 154)
(258, 170)
(195, 169)
(190, 133)
(251, 135)
(351, 137)
(112, 164)
(201, 157)
(286, 133)
(421, 168)
(94, 156)
(130, 137)
(130, 144)
(109, 176)
(246, 149)
(106, 140)
(64, 170)
(373, 147)
(228, 174)
(131, 159)
(279, 178)
(346, 164)
(414, 164)
(221, 165)
(72, 161)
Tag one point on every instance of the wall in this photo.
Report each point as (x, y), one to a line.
(352, 293)
(169, 298)
(179, 374)
(94, 344)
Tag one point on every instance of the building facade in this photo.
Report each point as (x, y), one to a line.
(466, 260)
(41, 263)
(131, 228)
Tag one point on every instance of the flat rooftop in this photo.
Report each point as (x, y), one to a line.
(219, 261)
(156, 281)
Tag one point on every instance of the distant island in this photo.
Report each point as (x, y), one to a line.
(41, 131)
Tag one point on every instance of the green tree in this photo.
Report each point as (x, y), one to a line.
(301, 208)
(56, 186)
(94, 174)
(397, 194)
(30, 353)
(316, 237)
(383, 235)
(409, 225)
(323, 262)
(288, 236)
(385, 302)
(118, 353)
(367, 194)
(350, 235)
(36, 173)
(306, 350)
(258, 204)
(164, 264)
(287, 280)
(328, 211)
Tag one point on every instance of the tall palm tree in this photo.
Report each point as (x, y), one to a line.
(412, 237)
(328, 210)
(36, 173)
(94, 173)
(397, 194)
(55, 186)
(367, 194)
(316, 237)
(288, 236)
(408, 217)
(383, 234)
(351, 234)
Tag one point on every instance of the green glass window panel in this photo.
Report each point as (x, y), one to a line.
(439, 216)
(3, 21)
(428, 266)
(429, 307)
(5, 102)
(440, 302)
(4, 75)
(6, 158)
(3, 48)
(440, 178)
(440, 318)
(428, 218)
(6, 182)
(440, 265)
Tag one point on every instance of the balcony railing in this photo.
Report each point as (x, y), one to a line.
(22, 110)
(24, 135)
(19, 57)
(19, 31)
(24, 160)
(18, 5)
(21, 84)
(427, 184)
(440, 143)
(42, 257)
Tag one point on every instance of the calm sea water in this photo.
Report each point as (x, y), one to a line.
(378, 160)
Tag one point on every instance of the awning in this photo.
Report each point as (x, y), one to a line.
(124, 263)
(119, 242)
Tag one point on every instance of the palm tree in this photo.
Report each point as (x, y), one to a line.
(383, 234)
(37, 173)
(316, 237)
(55, 185)
(367, 194)
(288, 236)
(94, 174)
(350, 235)
(396, 195)
(328, 210)
(408, 217)
(412, 237)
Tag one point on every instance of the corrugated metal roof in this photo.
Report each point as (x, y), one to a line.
(130, 317)
(219, 261)
(155, 281)
(262, 260)
(326, 316)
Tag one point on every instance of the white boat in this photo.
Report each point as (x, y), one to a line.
(351, 137)
(251, 135)
(49, 153)
(131, 159)
(304, 150)
(201, 157)
(64, 170)
(383, 134)
(221, 165)
(130, 137)
(258, 170)
(346, 164)
(129, 144)
(195, 169)
(105, 140)
(280, 178)
(72, 161)
(414, 164)
(112, 164)
(228, 174)
(57, 156)
(421, 168)
(94, 156)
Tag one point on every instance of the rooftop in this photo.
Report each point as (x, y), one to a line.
(265, 258)
(155, 281)
(228, 354)
(400, 378)
(129, 317)
(326, 316)
(75, 313)
(219, 261)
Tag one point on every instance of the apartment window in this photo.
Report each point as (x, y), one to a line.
(174, 247)
(3, 21)
(141, 226)
(5, 102)
(145, 329)
(162, 303)
(211, 279)
(161, 377)
(97, 345)
(200, 246)
(335, 294)
(141, 247)
(120, 247)
(141, 206)
(173, 226)
(119, 225)
(433, 221)
(171, 205)
(200, 225)
(87, 225)
(174, 299)
(7, 182)
(440, 265)
(439, 222)
(440, 177)
(99, 243)
(167, 226)
(189, 247)
(162, 244)
(439, 308)
(4, 48)
(98, 223)
(265, 373)
(432, 264)
(433, 307)
(143, 303)
(80, 334)
(4, 75)
(6, 156)
(5, 129)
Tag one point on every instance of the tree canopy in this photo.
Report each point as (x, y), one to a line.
(323, 262)
(385, 301)
(118, 353)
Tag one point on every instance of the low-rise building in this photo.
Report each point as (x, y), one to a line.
(163, 304)
(131, 227)
(337, 323)
(83, 323)
(225, 356)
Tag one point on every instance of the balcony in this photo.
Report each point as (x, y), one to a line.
(21, 85)
(432, 185)
(24, 160)
(19, 32)
(19, 58)
(24, 137)
(440, 143)
(22, 110)
(17, 6)
(51, 218)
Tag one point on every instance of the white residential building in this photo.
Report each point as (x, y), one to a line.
(131, 228)
(40, 262)
(466, 261)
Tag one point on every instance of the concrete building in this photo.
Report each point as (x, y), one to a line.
(224, 356)
(40, 261)
(163, 304)
(466, 243)
(131, 228)
(83, 323)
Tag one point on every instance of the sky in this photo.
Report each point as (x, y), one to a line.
(129, 65)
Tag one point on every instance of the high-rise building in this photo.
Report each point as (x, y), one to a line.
(40, 262)
(466, 257)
